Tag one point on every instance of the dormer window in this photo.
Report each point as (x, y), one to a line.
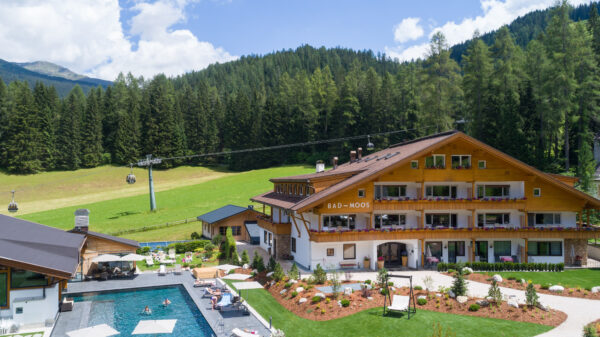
(436, 161)
(461, 162)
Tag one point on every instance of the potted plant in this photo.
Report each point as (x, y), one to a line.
(404, 258)
(367, 262)
(380, 262)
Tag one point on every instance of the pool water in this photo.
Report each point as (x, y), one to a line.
(122, 310)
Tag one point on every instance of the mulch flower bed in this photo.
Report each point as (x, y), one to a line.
(329, 308)
(516, 284)
(596, 324)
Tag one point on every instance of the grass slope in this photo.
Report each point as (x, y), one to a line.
(571, 278)
(372, 323)
(174, 204)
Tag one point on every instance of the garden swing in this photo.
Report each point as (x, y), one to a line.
(399, 303)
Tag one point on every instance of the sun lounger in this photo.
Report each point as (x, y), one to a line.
(399, 303)
(172, 254)
(225, 301)
(241, 333)
(208, 292)
(149, 261)
(162, 270)
(177, 269)
(204, 283)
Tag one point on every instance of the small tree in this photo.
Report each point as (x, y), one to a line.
(336, 284)
(428, 282)
(459, 287)
(382, 276)
(293, 274)
(272, 263)
(320, 274)
(495, 292)
(590, 331)
(278, 273)
(258, 263)
(217, 239)
(245, 257)
(531, 295)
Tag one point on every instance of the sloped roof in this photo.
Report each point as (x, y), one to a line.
(222, 213)
(39, 248)
(253, 229)
(278, 200)
(124, 241)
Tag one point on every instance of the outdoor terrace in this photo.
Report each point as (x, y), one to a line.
(439, 203)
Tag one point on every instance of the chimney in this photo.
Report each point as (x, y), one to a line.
(352, 156)
(250, 206)
(320, 166)
(359, 153)
(335, 161)
(82, 220)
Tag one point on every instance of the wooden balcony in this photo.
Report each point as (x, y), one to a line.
(266, 222)
(448, 204)
(455, 233)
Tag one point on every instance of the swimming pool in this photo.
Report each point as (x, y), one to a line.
(122, 310)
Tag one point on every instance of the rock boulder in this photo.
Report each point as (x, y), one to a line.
(462, 299)
(556, 289)
(497, 277)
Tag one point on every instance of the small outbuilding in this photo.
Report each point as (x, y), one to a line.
(242, 220)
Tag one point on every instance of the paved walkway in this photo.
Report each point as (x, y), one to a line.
(580, 311)
(75, 319)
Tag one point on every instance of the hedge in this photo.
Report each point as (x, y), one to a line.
(190, 246)
(503, 266)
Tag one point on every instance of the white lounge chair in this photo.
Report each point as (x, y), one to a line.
(162, 270)
(177, 269)
(241, 333)
(149, 261)
(399, 303)
(172, 254)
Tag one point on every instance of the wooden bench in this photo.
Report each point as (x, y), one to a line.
(346, 265)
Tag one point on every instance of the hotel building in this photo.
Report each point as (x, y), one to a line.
(447, 197)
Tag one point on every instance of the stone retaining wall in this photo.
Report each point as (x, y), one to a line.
(581, 249)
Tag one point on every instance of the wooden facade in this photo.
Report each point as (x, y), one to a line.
(95, 246)
(209, 230)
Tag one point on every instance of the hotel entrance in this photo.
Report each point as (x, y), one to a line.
(394, 254)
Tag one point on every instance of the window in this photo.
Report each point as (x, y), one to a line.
(435, 161)
(381, 220)
(223, 231)
(236, 230)
(289, 188)
(295, 189)
(493, 191)
(330, 252)
(414, 164)
(265, 237)
(390, 191)
(461, 161)
(339, 220)
(490, 219)
(544, 248)
(501, 248)
(481, 164)
(537, 192)
(441, 220)
(361, 193)
(301, 190)
(307, 190)
(293, 245)
(457, 246)
(25, 278)
(270, 239)
(440, 191)
(3, 290)
(544, 218)
(349, 251)
(435, 248)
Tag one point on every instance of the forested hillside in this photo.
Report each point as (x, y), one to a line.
(538, 103)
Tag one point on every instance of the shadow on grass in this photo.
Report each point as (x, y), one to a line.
(122, 214)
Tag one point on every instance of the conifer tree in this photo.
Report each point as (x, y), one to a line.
(477, 67)
(46, 102)
(91, 130)
(68, 140)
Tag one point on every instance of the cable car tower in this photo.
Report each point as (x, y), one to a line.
(148, 162)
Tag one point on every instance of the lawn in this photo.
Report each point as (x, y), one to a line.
(27, 334)
(213, 261)
(372, 323)
(572, 278)
(174, 204)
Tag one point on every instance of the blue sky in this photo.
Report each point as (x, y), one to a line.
(101, 38)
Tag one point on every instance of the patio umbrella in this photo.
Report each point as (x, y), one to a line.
(572, 254)
(133, 257)
(154, 327)
(428, 252)
(101, 330)
(106, 258)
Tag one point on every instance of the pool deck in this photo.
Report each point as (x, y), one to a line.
(221, 322)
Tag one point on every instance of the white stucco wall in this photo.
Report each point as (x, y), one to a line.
(36, 309)
(303, 250)
(549, 259)
(266, 245)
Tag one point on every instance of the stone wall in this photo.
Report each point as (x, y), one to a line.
(580, 249)
(283, 245)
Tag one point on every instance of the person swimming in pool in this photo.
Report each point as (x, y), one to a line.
(147, 311)
(166, 302)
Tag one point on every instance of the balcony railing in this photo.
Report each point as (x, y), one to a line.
(406, 203)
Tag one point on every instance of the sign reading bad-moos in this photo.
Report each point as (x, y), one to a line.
(351, 205)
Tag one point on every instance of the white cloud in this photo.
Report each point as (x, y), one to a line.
(407, 30)
(496, 13)
(88, 37)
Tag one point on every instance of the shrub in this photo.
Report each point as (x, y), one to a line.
(368, 281)
(459, 288)
(217, 239)
(391, 284)
(418, 288)
(278, 273)
(328, 300)
(590, 331)
(309, 287)
(382, 276)
(245, 258)
(195, 236)
(323, 311)
(495, 292)
(288, 284)
(503, 266)
(512, 278)
(258, 263)
(209, 247)
(143, 250)
(293, 274)
(428, 282)
(334, 278)
(451, 271)
(531, 295)
(232, 271)
(185, 265)
(207, 254)
(384, 291)
(345, 303)
(271, 264)
(294, 293)
(316, 299)
(320, 275)
(421, 301)
(546, 286)
(474, 307)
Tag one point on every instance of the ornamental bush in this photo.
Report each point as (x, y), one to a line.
(316, 299)
(503, 266)
(278, 273)
(418, 288)
(345, 303)
(294, 293)
(474, 307)
(294, 274)
(531, 295)
(320, 275)
(421, 301)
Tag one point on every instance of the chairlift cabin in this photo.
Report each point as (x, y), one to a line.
(399, 303)
(370, 145)
(13, 206)
(130, 177)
